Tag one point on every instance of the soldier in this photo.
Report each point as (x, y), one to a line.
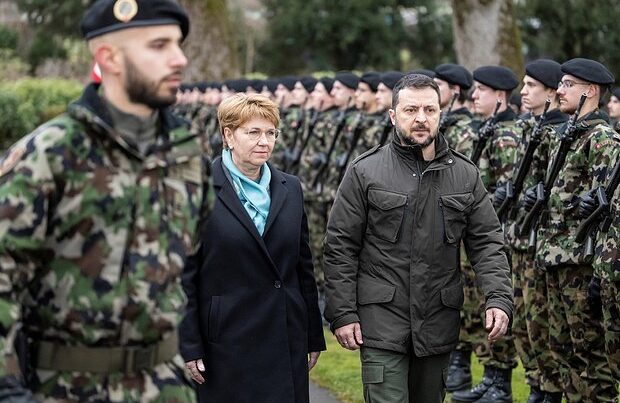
(576, 333)
(613, 107)
(383, 96)
(454, 81)
(99, 210)
(298, 122)
(530, 326)
(497, 158)
(270, 86)
(374, 119)
(291, 118)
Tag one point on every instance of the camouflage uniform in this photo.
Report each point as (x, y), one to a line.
(291, 123)
(93, 239)
(372, 129)
(530, 326)
(461, 129)
(607, 268)
(315, 205)
(199, 126)
(576, 339)
(496, 166)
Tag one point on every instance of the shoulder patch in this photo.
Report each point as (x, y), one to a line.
(606, 143)
(12, 158)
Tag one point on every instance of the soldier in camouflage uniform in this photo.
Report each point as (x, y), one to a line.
(492, 83)
(298, 121)
(576, 333)
(97, 221)
(383, 97)
(292, 119)
(375, 119)
(316, 144)
(530, 326)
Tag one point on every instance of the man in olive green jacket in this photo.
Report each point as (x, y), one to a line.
(392, 253)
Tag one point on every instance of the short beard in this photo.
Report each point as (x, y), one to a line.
(408, 141)
(141, 91)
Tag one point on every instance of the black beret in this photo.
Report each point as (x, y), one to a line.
(454, 74)
(216, 85)
(348, 79)
(589, 70)
(548, 72)
(309, 83)
(616, 92)
(202, 86)
(288, 82)
(328, 83)
(390, 78)
(424, 72)
(237, 85)
(106, 16)
(496, 77)
(257, 85)
(372, 79)
(272, 84)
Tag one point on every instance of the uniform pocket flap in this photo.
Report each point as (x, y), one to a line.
(372, 374)
(373, 292)
(453, 297)
(458, 202)
(385, 200)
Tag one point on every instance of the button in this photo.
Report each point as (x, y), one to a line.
(414, 175)
(277, 284)
(450, 161)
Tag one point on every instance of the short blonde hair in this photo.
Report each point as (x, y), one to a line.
(239, 108)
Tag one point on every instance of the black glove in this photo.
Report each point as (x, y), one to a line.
(13, 391)
(587, 204)
(594, 297)
(529, 198)
(499, 196)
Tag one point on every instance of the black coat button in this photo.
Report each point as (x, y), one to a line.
(277, 284)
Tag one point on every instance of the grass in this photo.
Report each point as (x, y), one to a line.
(339, 371)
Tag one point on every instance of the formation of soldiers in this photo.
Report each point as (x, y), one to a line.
(551, 170)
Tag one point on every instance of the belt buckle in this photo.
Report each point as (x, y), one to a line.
(137, 359)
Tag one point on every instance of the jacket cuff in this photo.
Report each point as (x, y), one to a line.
(500, 305)
(343, 321)
(316, 344)
(192, 352)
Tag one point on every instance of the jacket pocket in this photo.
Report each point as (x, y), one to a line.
(454, 209)
(385, 214)
(443, 325)
(453, 297)
(214, 319)
(373, 292)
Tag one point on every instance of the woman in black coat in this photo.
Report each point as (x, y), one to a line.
(253, 326)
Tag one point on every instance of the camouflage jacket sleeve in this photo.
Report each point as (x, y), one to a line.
(27, 189)
(499, 157)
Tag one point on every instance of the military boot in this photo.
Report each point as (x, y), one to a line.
(553, 397)
(459, 371)
(475, 393)
(500, 390)
(536, 395)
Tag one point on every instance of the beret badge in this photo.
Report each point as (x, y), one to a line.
(125, 10)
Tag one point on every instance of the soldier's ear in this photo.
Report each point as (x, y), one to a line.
(392, 114)
(109, 59)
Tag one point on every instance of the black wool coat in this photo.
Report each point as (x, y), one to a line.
(252, 311)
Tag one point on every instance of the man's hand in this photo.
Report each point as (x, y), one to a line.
(529, 198)
(499, 196)
(350, 336)
(587, 204)
(496, 323)
(314, 357)
(195, 368)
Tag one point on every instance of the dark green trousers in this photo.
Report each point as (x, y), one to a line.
(390, 377)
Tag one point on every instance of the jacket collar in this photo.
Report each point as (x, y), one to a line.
(443, 155)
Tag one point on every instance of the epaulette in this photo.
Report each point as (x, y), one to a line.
(463, 157)
(367, 153)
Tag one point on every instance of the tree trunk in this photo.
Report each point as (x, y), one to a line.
(486, 33)
(210, 47)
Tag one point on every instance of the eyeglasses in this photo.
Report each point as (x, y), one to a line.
(569, 84)
(255, 134)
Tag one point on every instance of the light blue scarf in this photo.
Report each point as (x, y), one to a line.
(253, 195)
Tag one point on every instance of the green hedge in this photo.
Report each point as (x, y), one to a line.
(28, 102)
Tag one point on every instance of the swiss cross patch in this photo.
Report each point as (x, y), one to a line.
(507, 143)
(603, 144)
(11, 160)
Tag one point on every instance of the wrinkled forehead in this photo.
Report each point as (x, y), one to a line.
(418, 97)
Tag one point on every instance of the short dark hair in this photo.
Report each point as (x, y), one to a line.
(418, 81)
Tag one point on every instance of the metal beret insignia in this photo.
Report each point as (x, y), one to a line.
(125, 10)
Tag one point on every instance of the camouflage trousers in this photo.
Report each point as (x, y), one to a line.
(317, 225)
(500, 354)
(576, 336)
(165, 383)
(537, 322)
(610, 293)
(522, 267)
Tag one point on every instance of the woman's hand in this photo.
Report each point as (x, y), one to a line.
(195, 368)
(314, 357)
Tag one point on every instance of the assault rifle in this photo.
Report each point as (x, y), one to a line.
(514, 189)
(600, 219)
(484, 134)
(343, 159)
(543, 190)
(321, 160)
(295, 158)
(443, 122)
(387, 128)
(289, 153)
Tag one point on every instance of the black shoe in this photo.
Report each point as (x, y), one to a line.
(536, 395)
(552, 397)
(475, 393)
(500, 390)
(459, 371)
